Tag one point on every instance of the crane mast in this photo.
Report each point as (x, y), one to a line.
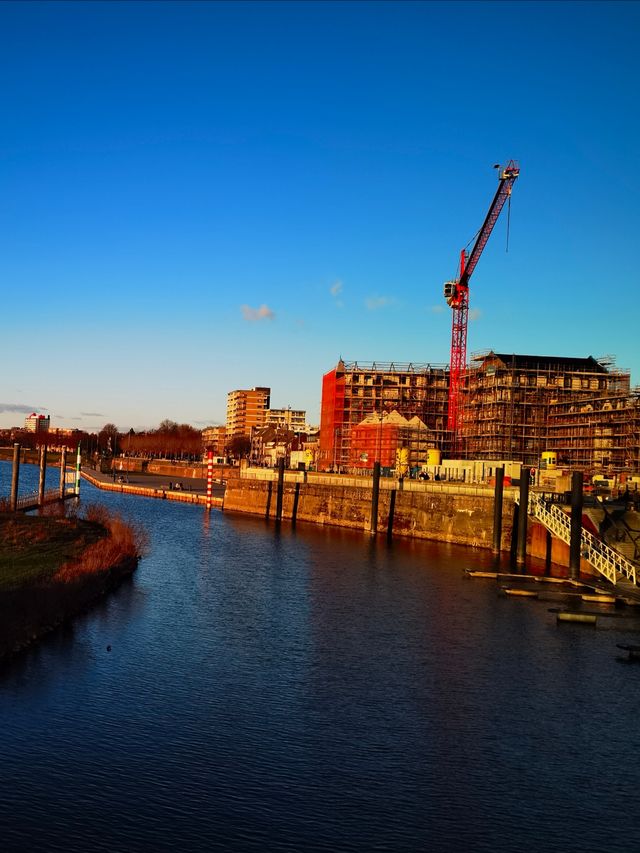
(457, 295)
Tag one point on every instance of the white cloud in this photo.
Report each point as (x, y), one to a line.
(373, 303)
(475, 314)
(436, 309)
(253, 315)
(336, 287)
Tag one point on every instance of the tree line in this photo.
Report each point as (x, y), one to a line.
(169, 440)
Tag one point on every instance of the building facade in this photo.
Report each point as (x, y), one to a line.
(513, 407)
(508, 401)
(295, 420)
(354, 390)
(246, 409)
(215, 438)
(37, 423)
(380, 439)
(597, 432)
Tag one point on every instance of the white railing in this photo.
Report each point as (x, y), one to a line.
(27, 500)
(604, 559)
(31, 501)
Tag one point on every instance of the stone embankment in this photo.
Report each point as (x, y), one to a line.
(455, 513)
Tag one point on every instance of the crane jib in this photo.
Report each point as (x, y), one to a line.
(502, 194)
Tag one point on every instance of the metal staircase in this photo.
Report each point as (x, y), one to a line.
(610, 563)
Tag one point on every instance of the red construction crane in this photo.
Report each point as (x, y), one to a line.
(457, 295)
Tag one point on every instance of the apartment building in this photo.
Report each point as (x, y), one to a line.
(37, 423)
(246, 409)
(215, 438)
(294, 420)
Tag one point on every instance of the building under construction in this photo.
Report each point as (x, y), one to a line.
(354, 390)
(512, 407)
(517, 406)
(598, 432)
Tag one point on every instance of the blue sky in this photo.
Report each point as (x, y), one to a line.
(201, 197)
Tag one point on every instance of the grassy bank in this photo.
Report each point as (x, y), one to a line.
(52, 568)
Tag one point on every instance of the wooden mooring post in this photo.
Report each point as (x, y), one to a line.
(497, 510)
(15, 477)
(523, 514)
(375, 495)
(43, 473)
(576, 524)
(392, 509)
(280, 491)
(63, 473)
(296, 498)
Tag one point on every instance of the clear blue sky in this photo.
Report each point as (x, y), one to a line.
(201, 197)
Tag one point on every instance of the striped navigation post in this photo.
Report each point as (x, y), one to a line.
(209, 477)
(78, 460)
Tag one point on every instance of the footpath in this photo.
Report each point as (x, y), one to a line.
(187, 490)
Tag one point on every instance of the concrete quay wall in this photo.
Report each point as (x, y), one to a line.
(440, 514)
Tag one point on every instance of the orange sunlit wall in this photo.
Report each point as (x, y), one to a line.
(371, 442)
(331, 415)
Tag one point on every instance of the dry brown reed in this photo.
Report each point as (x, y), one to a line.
(123, 540)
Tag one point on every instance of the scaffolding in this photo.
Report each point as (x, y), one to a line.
(516, 406)
(353, 390)
(598, 432)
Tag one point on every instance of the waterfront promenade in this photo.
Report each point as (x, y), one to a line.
(185, 489)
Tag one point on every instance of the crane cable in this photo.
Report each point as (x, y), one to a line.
(508, 219)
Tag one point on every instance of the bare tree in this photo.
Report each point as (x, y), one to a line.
(108, 438)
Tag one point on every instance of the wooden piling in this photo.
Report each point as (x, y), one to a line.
(497, 510)
(576, 524)
(63, 472)
(375, 495)
(294, 513)
(269, 493)
(548, 552)
(523, 515)
(392, 507)
(43, 474)
(280, 489)
(15, 477)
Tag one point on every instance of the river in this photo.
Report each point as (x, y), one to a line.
(311, 690)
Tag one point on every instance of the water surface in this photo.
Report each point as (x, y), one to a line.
(312, 690)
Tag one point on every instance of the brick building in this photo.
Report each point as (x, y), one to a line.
(354, 390)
